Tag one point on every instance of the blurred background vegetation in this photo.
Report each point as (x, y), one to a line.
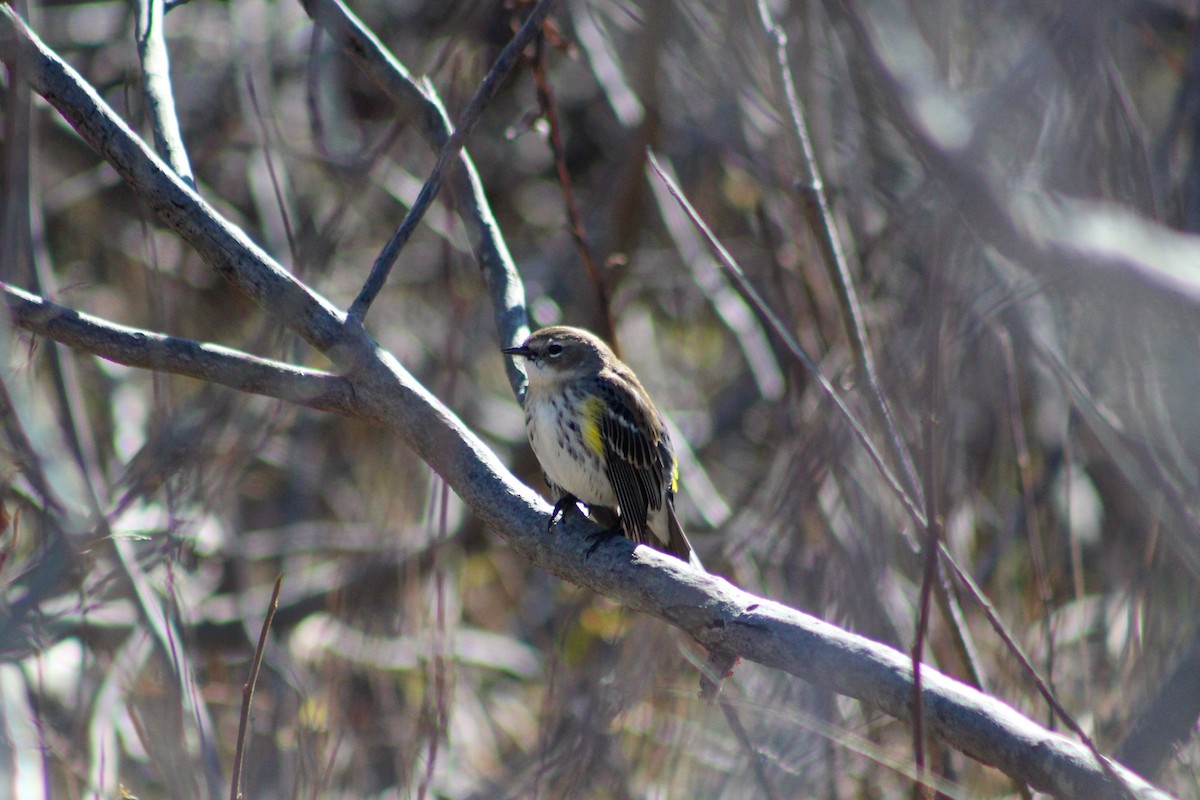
(1050, 414)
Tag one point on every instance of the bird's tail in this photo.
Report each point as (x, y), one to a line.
(677, 541)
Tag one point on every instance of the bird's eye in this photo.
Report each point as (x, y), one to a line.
(554, 350)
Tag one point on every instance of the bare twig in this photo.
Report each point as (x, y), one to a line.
(732, 308)
(235, 782)
(419, 101)
(931, 476)
(1121, 787)
(918, 516)
(276, 185)
(753, 755)
(156, 88)
(447, 158)
(821, 221)
(738, 278)
(545, 95)
(1037, 550)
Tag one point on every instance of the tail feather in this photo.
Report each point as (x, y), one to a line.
(677, 543)
(674, 542)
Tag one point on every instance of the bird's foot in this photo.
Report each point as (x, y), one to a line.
(565, 504)
(601, 536)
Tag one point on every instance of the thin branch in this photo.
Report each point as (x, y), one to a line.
(549, 106)
(732, 308)
(1037, 548)
(1121, 788)
(735, 273)
(932, 481)
(738, 279)
(276, 185)
(420, 102)
(755, 756)
(207, 362)
(823, 225)
(448, 157)
(235, 782)
(156, 88)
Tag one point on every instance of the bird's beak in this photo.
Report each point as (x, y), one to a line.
(517, 351)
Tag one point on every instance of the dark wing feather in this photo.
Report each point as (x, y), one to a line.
(636, 462)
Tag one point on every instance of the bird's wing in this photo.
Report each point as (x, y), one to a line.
(633, 458)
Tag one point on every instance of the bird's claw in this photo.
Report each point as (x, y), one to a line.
(564, 504)
(599, 537)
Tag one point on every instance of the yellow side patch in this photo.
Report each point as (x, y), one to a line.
(593, 409)
(675, 477)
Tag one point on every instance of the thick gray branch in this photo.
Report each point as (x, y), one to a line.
(207, 362)
(720, 616)
(222, 245)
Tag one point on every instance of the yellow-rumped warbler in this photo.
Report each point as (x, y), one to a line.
(600, 439)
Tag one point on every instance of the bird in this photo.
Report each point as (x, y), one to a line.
(600, 439)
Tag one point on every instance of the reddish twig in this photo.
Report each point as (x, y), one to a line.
(235, 783)
(931, 478)
(1037, 550)
(545, 96)
(1015, 648)
(276, 186)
